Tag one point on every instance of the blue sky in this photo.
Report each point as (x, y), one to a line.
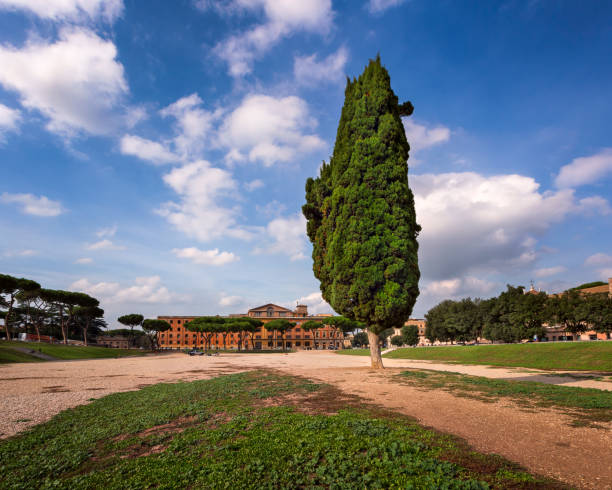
(154, 154)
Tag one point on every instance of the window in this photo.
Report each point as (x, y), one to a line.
(258, 313)
(270, 312)
(282, 313)
(298, 344)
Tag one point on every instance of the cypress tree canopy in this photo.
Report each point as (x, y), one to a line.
(360, 210)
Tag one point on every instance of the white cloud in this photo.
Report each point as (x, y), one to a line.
(20, 253)
(254, 185)
(273, 208)
(31, 204)
(193, 124)
(458, 287)
(593, 205)
(200, 213)
(605, 274)
(144, 290)
(262, 128)
(473, 222)
(83, 260)
(205, 257)
(599, 259)
(549, 271)
(421, 137)
(147, 150)
(377, 6)
(285, 236)
(270, 129)
(76, 82)
(282, 17)
(105, 244)
(231, 300)
(308, 71)
(9, 120)
(110, 231)
(73, 10)
(585, 170)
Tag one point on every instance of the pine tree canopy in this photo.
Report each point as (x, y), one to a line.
(360, 210)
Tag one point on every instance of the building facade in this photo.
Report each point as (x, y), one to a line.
(179, 337)
(417, 322)
(116, 342)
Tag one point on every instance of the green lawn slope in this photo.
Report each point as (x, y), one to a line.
(580, 356)
(9, 351)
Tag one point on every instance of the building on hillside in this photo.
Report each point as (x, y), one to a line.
(178, 337)
(557, 332)
(115, 342)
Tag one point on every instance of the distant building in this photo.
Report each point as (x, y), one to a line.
(116, 342)
(557, 332)
(417, 322)
(178, 337)
(32, 337)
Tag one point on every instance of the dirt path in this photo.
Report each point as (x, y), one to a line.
(541, 441)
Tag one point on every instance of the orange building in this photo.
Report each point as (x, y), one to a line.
(178, 337)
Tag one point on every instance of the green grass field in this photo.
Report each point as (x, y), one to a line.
(585, 406)
(58, 351)
(248, 430)
(579, 356)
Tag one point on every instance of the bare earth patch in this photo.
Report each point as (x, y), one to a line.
(541, 440)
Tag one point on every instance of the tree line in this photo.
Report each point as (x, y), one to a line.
(514, 316)
(247, 327)
(26, 306)
(244, 327)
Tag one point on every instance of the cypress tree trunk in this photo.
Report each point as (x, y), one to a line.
(375, 355)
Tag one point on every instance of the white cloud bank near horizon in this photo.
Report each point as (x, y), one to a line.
(472, 222)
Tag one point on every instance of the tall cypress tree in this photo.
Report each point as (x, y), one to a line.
(360, 211)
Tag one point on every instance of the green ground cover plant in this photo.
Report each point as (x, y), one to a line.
(247, 430)
(577, 356)
(586, 406)
(8, 353)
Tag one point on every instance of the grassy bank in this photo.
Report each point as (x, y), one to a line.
(579, 356)
(248, 430)
(9, 352)
(586, 406)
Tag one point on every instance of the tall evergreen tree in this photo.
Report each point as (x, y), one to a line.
(360, 211)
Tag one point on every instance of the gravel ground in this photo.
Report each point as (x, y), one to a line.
(541, 441)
